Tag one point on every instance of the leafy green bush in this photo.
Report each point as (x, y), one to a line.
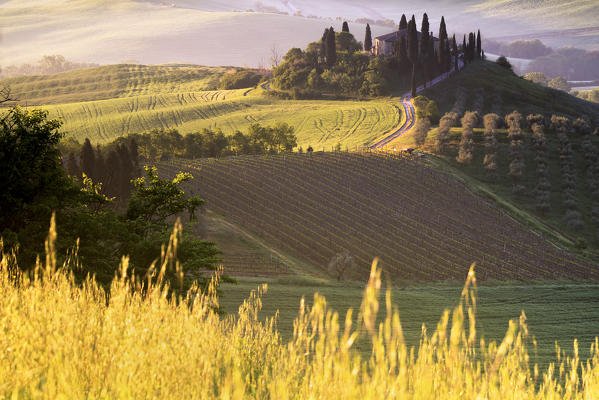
(239, 79)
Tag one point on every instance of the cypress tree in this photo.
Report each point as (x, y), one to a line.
(465, 50)
(412, 42)
(126, 171)
(479, 46)
(402, 55)
(72, 166)
(100, 167)
(331, 48)
(368, 39)
(345, 27)
(323, 46)
(442, 29)
(87, 157)
(424, 36)
(471, 46)
(111, 185)
(403, 24)
(455, 54)
(443, 46)
(414, 80)
(447, 54)
(134, 153)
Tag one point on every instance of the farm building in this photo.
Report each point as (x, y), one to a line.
(385, 45)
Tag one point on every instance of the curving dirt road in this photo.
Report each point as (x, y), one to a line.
(410, 113)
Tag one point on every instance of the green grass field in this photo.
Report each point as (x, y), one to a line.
(556, 311)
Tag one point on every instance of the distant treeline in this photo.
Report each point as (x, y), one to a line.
(47, 65)
(568, 62)
(116, 163)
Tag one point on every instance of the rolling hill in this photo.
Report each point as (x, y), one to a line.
(489, 88)
(108, 102)
(423, 225)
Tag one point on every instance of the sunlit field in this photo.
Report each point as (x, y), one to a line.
(63, 340)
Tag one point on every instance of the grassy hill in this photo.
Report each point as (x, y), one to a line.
(503, 93)
(107, 102)
(423, 225)
(113, 81)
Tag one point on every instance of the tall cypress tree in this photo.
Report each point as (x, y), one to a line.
(471, 46)
(72, 166)
(331, 48)
(412, 42)
(447, 52)
(443, 45)
(465, 50)
(403, 24)
(87, 159)
(402, 55)
(134, 153)
(368, 39)
(100, 167)
(126, 171)
(479, 46)
(345, 27)
(413, 80)
(424, 35)
(323, 46)
(456, 54)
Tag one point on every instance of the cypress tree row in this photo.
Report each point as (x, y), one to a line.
(331, 48)
(491, 121)
(572, 217)
(345, 27)
(516, 170)
(466, 146)
(543, 189)
(368, 39)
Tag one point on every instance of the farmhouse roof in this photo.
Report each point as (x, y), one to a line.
(395, 36)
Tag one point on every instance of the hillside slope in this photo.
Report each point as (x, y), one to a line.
(422, 224)
(505, 92)
(112, 81)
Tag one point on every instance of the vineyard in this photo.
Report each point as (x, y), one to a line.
(424, 225)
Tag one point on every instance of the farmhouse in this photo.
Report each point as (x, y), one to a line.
(386, 45)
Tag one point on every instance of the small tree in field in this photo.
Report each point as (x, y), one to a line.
(421, 130)
(469, 120)
(340, 264)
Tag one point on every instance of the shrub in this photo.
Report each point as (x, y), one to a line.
(421, 130)
(504, 63)
(239, 79)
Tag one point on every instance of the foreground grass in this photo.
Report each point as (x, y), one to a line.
(556, 311)
(60, 340)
